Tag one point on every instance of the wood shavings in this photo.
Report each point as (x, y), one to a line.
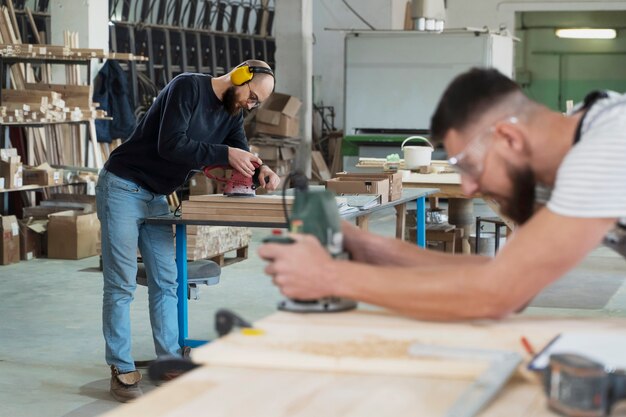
(373, 347)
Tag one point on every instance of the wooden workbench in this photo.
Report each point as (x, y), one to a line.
(346, 364)
(449, 184)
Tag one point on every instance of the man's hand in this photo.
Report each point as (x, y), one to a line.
(274, 180)
(302, 270)
(242, 161)
(354, 241)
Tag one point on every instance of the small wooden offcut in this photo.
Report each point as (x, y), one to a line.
(446, 233)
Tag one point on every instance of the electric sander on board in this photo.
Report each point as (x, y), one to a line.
(238, 185)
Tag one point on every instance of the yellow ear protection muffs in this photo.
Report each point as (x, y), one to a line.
(244, 73)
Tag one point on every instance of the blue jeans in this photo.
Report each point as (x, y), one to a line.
(122, 208)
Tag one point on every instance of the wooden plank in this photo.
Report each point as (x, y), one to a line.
(408, 17)
(337, 162)
(320, 165)
(17, 75)
(244, 201)
(33, 25)
(363, 222)
(94, 143)
(235, 218)
(33, 98)
(11, 11)
(355, 341)
(233, 205)
(65, 89)
(400, 220)
(229, 211)
(328, 339)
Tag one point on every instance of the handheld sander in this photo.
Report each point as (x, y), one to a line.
(314, 212)
(238, 185)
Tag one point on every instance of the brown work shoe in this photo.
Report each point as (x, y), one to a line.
(125, 387)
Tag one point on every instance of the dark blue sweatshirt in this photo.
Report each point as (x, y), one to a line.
(186, 128)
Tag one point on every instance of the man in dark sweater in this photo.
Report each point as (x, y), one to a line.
(196, 120)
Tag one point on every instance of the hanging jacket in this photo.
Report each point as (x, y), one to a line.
(111, 92)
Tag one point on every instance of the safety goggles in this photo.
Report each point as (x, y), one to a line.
(471, 160)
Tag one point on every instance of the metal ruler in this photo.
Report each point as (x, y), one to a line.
(502, 364)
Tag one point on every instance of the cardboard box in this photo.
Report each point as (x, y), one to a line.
(395, 181)
(360, 186)
(270, 153)
(11, 171)
(42, 175)
(278, 116)
(32, 233)
(10, 243)
(276, 106)
(200, 184)
(72, 235)
(286, 127)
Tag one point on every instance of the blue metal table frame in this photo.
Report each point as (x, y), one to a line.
(417, 194)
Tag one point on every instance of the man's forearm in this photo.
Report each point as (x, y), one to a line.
(447, 293)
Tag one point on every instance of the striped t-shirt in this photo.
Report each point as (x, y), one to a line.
(591, 180)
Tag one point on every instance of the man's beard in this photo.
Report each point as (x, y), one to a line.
(230, 101)
(521, 205)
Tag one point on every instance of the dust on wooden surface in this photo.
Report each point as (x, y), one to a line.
(368, 347)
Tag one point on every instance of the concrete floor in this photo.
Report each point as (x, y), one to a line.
(51, 346)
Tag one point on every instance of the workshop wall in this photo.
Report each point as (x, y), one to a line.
(554, 70)
(328, 48)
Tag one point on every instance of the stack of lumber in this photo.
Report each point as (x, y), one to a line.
(61, 52)
(44, 108)
(35, 99)
(261, 208)
(204, 242)
(45, 103)
(436, 166)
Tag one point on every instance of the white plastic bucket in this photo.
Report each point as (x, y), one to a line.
(417, 156)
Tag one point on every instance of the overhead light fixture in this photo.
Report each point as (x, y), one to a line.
(586, 33)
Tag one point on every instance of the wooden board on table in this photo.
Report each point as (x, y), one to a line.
(271, 212)
(262, 208)
(232, 218)
(373, 342)
(277, 393)
(248, 201)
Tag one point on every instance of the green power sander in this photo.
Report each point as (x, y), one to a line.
(314, 212)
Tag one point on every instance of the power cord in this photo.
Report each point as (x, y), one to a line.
(178, 210)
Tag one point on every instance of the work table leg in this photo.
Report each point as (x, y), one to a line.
(420, 221)
(363, 222)
(181, 264)
(400, 220)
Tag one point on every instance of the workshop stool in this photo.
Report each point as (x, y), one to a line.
(498, 223)
(203, 272)
(444, 232)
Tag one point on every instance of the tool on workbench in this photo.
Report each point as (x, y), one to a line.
(226, 321)
(577, 386)
(502, 364)
(165, 369)
(313, 212)
(238, 185)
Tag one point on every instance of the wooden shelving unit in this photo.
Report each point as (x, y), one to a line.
(37, 187)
